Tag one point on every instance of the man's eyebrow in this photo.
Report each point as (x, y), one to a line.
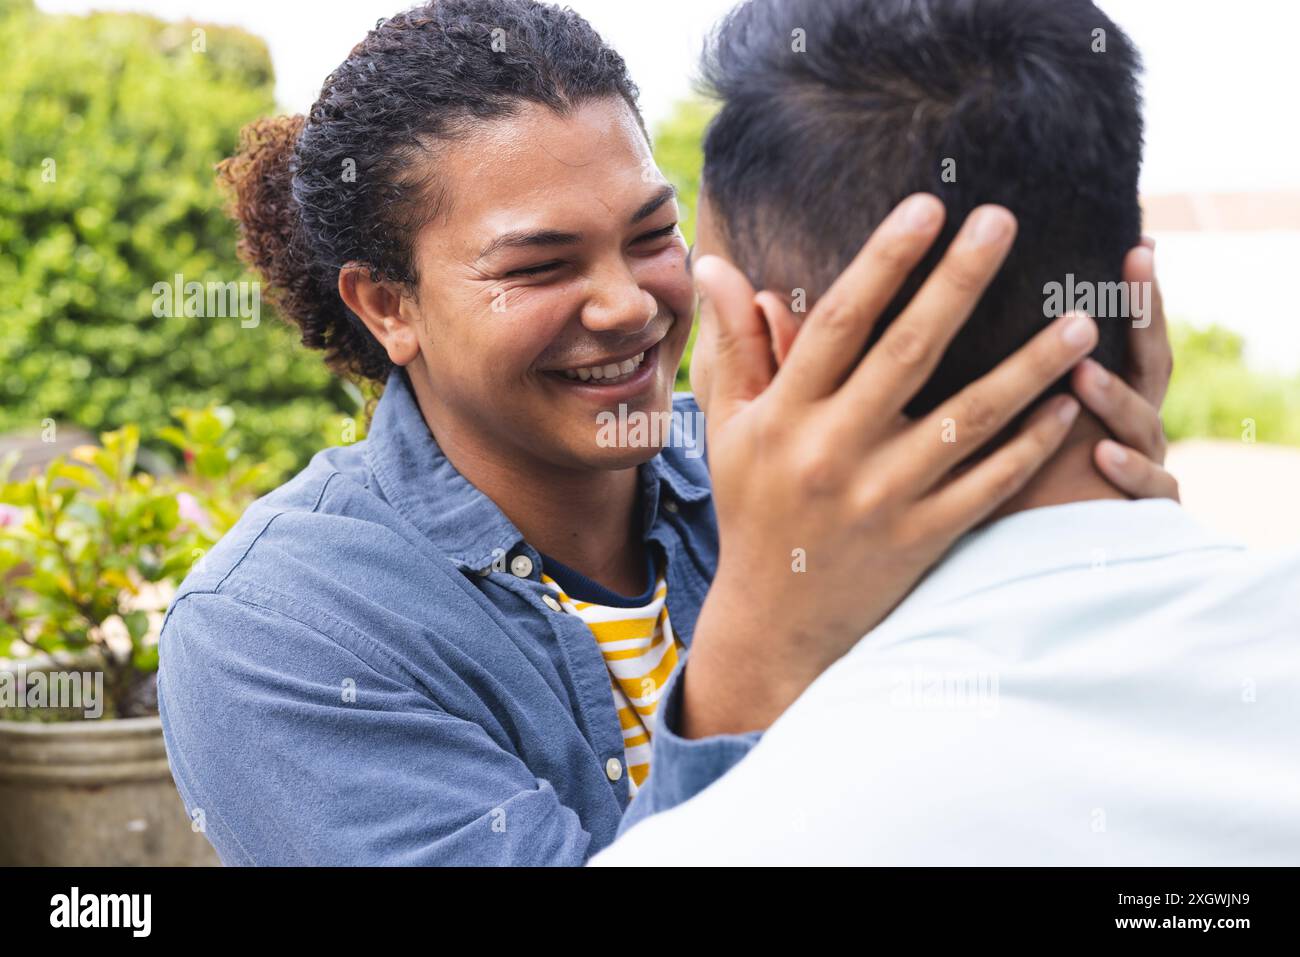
(649, 206)
(537, 237)
(552, 237)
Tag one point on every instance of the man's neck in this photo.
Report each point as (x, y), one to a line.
(1069, 476)
(585, 518)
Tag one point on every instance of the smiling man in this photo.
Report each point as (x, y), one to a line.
(394, 657)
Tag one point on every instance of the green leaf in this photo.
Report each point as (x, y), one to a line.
(78, 475)
(174, 436)
(208, 428)
(85, 513)
(212, 463)
(22, 494)
(145, 658)
(137, 624)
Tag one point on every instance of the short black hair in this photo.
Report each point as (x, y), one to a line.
(1033, 104)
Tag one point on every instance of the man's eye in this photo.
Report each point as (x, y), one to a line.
(658, 233)
(535, 270)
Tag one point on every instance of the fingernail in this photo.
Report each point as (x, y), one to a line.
(990, 225)
(1078, 331)
(1148, 241)
(920, 212)
(1067, 410)
(1115, 454)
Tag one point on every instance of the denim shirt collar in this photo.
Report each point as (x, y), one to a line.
(418, 479)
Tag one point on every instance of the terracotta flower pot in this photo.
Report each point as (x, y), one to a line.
(92, 793)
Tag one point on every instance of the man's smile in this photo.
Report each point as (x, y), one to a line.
(612, 377)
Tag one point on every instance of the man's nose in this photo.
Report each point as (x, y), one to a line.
(617, 303)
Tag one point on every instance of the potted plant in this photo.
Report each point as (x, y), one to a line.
(91, 552)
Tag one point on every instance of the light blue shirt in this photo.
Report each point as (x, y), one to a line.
(366, 671)
(1102, 683)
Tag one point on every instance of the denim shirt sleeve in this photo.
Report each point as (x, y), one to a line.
(682, 767)
(285, 767)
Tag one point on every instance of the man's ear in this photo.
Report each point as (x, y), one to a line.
(782, 324)
(379, 304)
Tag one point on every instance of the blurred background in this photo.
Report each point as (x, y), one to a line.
(130, 441)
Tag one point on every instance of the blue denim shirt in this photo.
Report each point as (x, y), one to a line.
(364, 671)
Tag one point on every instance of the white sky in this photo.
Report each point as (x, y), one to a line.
(1222, 110)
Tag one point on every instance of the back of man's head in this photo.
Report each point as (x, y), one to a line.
(833, 111)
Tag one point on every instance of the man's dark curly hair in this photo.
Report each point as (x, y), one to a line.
(351, 181)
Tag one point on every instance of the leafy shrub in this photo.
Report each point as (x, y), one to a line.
(91, 550)
(110, 127)
(677, 143)
(1215, 394)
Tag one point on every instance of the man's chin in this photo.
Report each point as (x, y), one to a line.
(617, 459)
(621, 434)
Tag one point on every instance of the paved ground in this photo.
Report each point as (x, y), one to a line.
(1251, 492)
(35, 452)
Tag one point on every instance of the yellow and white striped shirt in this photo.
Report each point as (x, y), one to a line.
(640, 651)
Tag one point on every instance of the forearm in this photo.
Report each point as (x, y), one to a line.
(749, 662)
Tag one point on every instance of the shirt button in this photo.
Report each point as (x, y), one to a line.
(521, 566)
(613, 769)
(551, 603)
(670, 506)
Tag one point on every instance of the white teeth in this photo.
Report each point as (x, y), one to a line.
(610, 372)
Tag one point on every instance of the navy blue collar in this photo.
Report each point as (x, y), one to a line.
(581, 588)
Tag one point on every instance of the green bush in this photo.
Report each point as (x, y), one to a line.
(92, 550)
(110, 127)
(677, 152)
(1214, 394)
